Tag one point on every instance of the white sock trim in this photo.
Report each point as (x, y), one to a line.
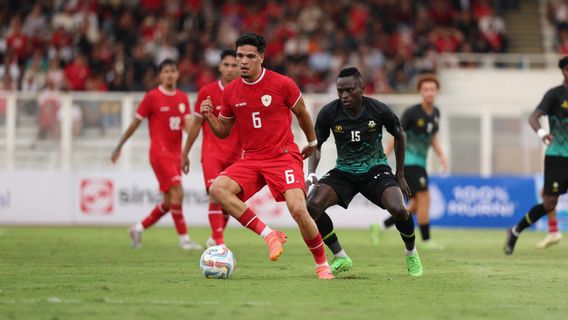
(411, 252)
(184, 237)
(266, 231)
(251, 220)
(341, 253)
(139, 227)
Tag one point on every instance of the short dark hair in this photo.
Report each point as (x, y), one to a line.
(428, 77)
(167, 62)
(252, 39)
(228, 52)
(350, 72)
(563, 62)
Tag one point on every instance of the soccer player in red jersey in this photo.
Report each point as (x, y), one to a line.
(260, 103)
(216, 154)
(167, 110)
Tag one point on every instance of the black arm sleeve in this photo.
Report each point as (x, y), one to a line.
(546, 103)
(322, 126)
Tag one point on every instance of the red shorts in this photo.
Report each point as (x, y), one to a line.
(168, 170)
(213, 166)
(282, 173)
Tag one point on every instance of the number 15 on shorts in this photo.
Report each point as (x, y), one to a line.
(289, 174)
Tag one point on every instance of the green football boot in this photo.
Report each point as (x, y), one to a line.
(340, 264)
(414, 265)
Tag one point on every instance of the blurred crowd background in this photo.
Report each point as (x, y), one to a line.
(115, 45)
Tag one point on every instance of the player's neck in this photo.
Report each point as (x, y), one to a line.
(355, 111)
(167, 89)
(428, 107)
(254, 78)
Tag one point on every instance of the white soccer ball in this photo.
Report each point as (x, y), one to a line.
(217, 262)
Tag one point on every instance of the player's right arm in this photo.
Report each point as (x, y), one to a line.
(220, 126)
(534, 119)
(322, 129)
(125, 136)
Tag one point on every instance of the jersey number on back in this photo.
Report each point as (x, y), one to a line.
(175, 123)
(256, 122)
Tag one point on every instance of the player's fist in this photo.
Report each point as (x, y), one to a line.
(307, 151)
(547, 139)
(115, 155)
(206, 108)
(185, 164)
(404, 186)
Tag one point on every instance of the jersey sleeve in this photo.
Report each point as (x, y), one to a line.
(201, 95)
(406, 120)
(322, 126)
(391, 122)
(226, 111)
(291, 92)
(546, 104)
(145, 107)
(437, 125)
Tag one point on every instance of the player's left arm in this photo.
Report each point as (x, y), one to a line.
(307, 125)
(437, 147)
(192, 128)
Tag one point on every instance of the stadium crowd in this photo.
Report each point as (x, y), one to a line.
(116, 44)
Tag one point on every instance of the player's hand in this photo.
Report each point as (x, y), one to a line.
(185, 164)
(307, 151)
(206, 108)
(404, 186)
(312, 180)
(547, 139)
(115, 155)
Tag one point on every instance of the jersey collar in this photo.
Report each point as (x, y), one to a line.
(220, 83)
(166, 91)
(257, 80)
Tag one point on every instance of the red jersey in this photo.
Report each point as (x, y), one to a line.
(262, 111)
(167, 112)
(213, 147)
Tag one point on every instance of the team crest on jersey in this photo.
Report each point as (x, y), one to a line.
(372, 124)
(420, 122)
(266, 100)
(555, 186)
(564, 104)
(181, 107)
(338, 128)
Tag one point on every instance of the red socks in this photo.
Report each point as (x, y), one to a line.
(552, 225)
(158, 212)
(318, 251)
(218, 222)
(252, 222)
(179, 221)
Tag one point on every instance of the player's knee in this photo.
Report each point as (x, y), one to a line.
(216, 191)
(298, 212)
(399, 213)
(176, 193)
(549, 204)
(314, 209)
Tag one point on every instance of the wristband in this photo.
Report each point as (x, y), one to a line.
(311, 177)
(313, 143)
(541, 133)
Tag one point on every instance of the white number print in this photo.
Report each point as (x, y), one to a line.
(175, 123)
(355, 136)
(289, 176)
(256, 123)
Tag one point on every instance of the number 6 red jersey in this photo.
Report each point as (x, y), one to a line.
(167, 112)
(262, 110)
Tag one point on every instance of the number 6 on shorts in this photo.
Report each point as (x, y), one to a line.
(289, 176)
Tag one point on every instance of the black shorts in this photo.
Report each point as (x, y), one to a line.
(555, 175)
(371, 184)
(417, 179)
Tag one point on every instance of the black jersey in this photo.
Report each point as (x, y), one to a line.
(420, 128)
(358, 139)
(555, 105)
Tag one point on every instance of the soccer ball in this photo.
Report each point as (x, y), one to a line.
(217, 262)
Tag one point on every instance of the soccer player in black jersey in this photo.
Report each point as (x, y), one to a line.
(357, 124)
(420, 123)
(555, 105)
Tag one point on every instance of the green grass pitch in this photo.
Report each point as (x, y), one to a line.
(93, 273)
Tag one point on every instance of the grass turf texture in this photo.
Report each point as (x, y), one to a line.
(93, 273)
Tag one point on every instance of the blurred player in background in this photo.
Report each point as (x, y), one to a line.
(167, 110)
(421, 124)
(216, 154)
(357, 125)
(262, 103)
(554, 104)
